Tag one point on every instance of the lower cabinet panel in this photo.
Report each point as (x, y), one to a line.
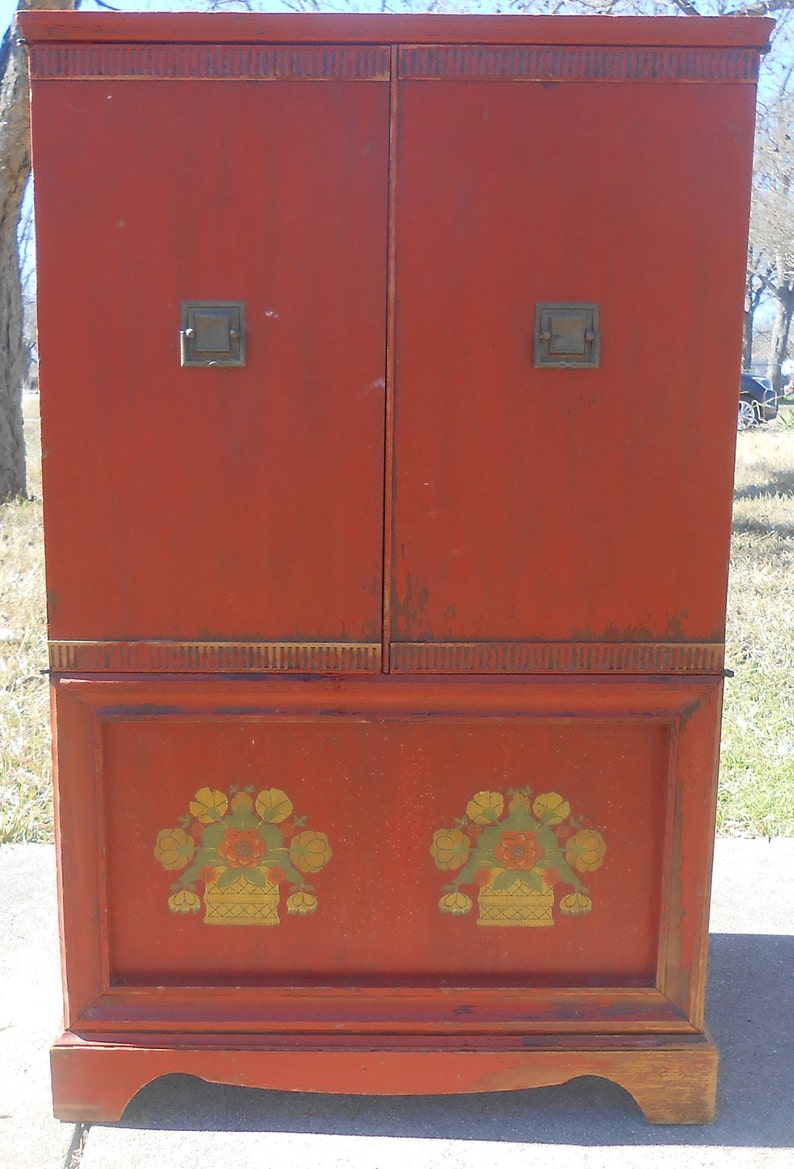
(472, 860)
(261, 848)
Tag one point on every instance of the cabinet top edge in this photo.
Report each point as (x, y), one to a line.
(313, 28)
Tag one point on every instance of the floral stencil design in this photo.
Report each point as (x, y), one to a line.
(516, 855)
(242, 848)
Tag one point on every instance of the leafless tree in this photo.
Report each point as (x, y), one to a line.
(758, 274)
(14, 173)
(772, 223)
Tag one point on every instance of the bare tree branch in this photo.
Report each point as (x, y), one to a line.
(687, 8)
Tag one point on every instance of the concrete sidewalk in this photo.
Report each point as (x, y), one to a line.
(182, 1123)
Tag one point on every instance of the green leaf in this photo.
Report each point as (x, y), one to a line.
(532, 879)
(547, 837)
(227, 878)
(466, 874)
(564, 869)
(520, 819)
(490, 837)
(270, 834)
(255, 877)
(242, 818)
(552, 859)
(213, 835)
(280, 856)
(191, 874)
(504, 879)
(207, 856)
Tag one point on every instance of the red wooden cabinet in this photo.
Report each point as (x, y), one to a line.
(388, 375)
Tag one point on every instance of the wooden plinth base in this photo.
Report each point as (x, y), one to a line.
(672, 1079)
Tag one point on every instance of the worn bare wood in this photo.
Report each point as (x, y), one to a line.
(672, 1081)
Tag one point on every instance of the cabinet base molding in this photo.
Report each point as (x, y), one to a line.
(673, 1080)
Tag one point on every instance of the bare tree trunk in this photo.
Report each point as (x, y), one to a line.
(747, 343)
(14, 172)
(780, 335)
(753, 294)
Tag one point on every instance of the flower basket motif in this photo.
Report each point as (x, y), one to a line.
(515, 905)
(241, 903)
(240, 849)
(516, 852)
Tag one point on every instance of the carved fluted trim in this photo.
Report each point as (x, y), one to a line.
(556, 658)
(573, 63)
(211, 62)
(213, 657)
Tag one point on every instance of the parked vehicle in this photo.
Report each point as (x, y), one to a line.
(757, 401)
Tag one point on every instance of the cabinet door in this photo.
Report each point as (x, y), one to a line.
(213, 504)
(537, 505)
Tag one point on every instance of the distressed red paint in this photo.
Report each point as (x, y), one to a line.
(315, 608)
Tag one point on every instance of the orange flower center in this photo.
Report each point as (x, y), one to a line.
(518, 850)
(242, 848)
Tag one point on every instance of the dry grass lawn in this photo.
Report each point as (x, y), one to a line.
(25, 769)
(757, 773)
(757, 777)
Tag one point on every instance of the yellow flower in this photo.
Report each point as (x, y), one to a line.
(183, 901)
(309, 851)
(209, 805)
(551, 808)
(576, 903)
(455, 903)
(485, 807)
(450, 848)
(273, 805)
(301, 902)
(585, 850)
(174, 848)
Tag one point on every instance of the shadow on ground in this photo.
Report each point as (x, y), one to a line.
(760, 528)
(780, 482)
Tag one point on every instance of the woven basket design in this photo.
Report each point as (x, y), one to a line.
(241, 903)
(515, 905)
